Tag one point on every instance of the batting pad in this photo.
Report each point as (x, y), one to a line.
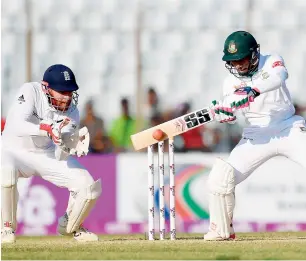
(84, 202)
(9, 198)
(221, 178)
(221, 197)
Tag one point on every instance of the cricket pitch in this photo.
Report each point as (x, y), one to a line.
(252, 246)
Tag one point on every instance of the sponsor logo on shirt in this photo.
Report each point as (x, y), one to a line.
(265, 75)
(36, 115)
(21, 99)
(303, 129)
(277, 63)
(242, 84)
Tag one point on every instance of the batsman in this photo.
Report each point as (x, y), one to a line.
(256, 89)
(40, 137)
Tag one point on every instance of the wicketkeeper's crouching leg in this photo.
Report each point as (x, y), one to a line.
(81, 202)
(221, 184)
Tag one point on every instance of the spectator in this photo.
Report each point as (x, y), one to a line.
(152, 106)
(299, 110)
(122, 128)
(101, 143)
(156, 119)
(94, 124)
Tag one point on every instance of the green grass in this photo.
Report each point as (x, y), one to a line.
(263, 246)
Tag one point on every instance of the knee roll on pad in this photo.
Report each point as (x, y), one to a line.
(84, 179)
(85, 200)
(221, 179)
(8, 177)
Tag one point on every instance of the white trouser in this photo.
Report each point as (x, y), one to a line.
(66, 174)
(250, 154)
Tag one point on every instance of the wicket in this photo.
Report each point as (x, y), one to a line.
(161, 176)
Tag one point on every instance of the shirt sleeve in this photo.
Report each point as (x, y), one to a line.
(273, 76)
(21, 110)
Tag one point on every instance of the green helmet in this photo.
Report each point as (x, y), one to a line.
(238, 46)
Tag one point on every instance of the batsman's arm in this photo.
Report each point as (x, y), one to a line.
(274, 75)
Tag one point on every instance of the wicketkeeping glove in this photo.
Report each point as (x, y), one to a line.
(76, 143)
(52, 130)
(82, 143)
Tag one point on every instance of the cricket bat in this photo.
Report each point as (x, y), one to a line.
(173, 127)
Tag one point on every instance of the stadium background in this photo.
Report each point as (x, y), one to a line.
(152, 60)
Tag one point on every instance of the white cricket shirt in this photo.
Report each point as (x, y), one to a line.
(273, 109)
(29, 107)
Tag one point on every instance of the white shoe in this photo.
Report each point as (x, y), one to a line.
(83, 235)
(214, 236)
(8, 235)
(62, 224)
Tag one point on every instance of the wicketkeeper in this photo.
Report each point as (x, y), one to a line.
(41, 135)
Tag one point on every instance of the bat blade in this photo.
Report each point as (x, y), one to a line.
(173, 127)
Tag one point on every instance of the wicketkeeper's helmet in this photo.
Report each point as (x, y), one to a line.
(60, 78)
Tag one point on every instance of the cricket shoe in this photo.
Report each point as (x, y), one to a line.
(62, 224)
(8, 235)
(212, 235)
(83, 235)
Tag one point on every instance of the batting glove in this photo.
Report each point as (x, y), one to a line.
(224, 111)
(243, 97)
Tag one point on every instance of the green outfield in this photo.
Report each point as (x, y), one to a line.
(247, 246)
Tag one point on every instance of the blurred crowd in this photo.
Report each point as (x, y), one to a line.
(212, 137)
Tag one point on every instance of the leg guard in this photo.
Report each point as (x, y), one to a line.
(84, 201)
(221, 198)
(9, 197)
(63, 220)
